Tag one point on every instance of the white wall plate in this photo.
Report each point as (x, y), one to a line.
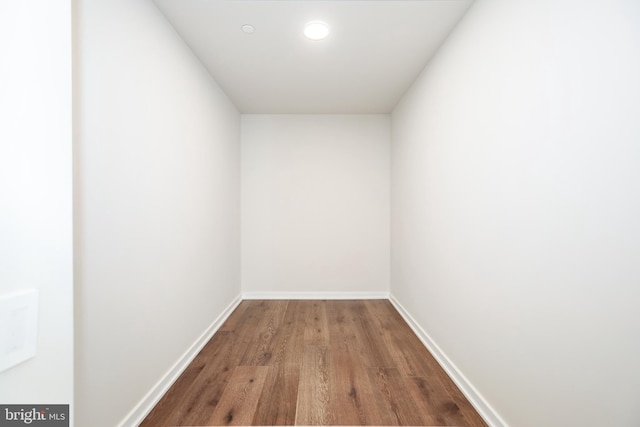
(18, 327)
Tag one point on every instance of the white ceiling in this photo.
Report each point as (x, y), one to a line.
(374, 52)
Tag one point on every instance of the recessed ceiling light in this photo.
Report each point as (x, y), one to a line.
(249, 29)
(316, 30)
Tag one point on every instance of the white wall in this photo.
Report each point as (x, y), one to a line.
(515, 206)
(315, 203)
(157, 204)
(36, 190)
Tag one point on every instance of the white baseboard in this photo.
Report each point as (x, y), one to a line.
(485, 410)
(142, 409)
(315, 295)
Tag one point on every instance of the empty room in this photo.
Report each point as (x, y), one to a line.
(354, 212)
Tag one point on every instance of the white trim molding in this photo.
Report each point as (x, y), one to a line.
(314, 295)
(148, 402)
(485, 410)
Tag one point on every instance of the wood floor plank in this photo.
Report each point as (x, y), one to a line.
(240, 397)
(290, 341)
(470, 414)
(391, 330)
(432, 398)
(399, 406)
(204, 392)
(313, 407)
(264, 331)
(351, 392)
(278, 401)
(447, 402)
(314, 363)
(277, 404)
(169, 409)
(376, 353)
(232, 321)
(316, 331)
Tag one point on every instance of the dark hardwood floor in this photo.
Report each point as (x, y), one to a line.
(314, 363)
